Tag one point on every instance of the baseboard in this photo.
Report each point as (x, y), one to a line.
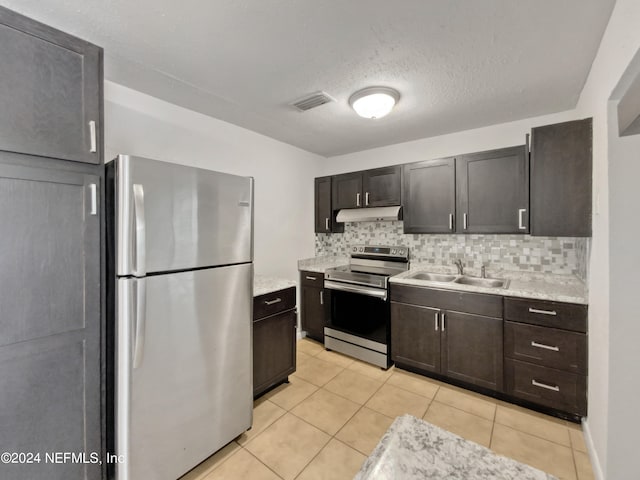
(593, 455)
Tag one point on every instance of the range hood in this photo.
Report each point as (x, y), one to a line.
(376, 214)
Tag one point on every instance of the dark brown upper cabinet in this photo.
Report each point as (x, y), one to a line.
(561, 171)
(381, 186)
(378, 187)
(347, 191)
(429, 196)
(52, 85)
(324, 216)
(493, 191)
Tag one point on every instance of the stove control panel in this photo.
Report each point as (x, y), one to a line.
(380, 251)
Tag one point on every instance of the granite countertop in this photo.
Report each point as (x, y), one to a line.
(320, 264)
(413, 449)
(263, 284)
(540, 286)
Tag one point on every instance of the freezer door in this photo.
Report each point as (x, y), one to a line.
(171, 217)
(184, 369)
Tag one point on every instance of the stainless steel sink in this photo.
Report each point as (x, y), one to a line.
(432, 277)
(482, 282)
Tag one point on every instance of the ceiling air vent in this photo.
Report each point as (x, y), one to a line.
(312, 101)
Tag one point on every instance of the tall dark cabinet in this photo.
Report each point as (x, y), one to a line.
(51, 267)
(561, 172)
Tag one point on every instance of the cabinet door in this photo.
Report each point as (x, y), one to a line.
(51, 84)
(274, 350)
(415, 336)
(347, 191)
(50, 322)
(429, 196)
(493, 191)
(472, 349)
(324, 218)
(381, 186)
(313, 312)
(561, 179)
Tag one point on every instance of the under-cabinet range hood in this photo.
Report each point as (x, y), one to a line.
(376, 214)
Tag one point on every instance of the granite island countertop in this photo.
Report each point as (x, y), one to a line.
(539, 286)
(263, 284)
(413, 449)
(320, 264)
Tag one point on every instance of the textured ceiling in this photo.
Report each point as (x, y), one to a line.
(458, 64)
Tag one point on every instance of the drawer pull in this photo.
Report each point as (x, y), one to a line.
(310, 278)
(543, 312)
(273, 302)
(555, 388)
(436, 322)
(546, 347)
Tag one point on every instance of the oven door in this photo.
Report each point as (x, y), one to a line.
(360, 311)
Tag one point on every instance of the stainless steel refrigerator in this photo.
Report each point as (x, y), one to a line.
(183, 252)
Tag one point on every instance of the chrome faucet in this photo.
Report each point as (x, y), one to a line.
(483, 271)
(458, 263)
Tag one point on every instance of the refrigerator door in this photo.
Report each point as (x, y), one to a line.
(184, 372)
(171, 217)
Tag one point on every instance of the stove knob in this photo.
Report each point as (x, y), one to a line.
(362, 249)
(393, 251)
(355, 249)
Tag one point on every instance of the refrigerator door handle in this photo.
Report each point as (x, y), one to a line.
(140, 319)
(140, 227)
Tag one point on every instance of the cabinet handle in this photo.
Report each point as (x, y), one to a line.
(357, 199)
(545, 347)
(543, 312)
(555, 388)
(521, 224)
(273, 302)
(465, 221)
(326, 223)
(310, 278)
(366, 199)
(93, 188)
(321, 297)
(442, 316)
(451, 221)
(436, 322)
(93, 148)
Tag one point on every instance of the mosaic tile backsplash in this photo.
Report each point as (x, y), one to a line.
(499, 252)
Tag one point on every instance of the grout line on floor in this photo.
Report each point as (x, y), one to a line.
(271, 469)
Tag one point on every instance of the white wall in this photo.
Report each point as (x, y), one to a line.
(619, 44)
(138, 124)
(486, 138)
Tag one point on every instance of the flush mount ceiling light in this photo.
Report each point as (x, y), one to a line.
(374, 102)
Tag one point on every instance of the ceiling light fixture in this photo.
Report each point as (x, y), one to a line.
(374, 102)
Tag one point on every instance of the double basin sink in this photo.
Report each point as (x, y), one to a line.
(460, 279)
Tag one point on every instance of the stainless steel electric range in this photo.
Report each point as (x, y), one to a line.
(358, 324)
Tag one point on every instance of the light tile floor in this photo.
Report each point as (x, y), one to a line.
(330, 417)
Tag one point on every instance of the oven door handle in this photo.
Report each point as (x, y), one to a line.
(371, 292)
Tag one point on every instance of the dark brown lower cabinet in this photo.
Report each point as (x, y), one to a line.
(314, 309)
(462, 346)
(415, 341)
(274, 339)
(546, 353)
(472, 349)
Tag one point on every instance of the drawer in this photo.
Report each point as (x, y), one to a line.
(546, 386)
(546, 346)
(456, 301)
(566, 316)
(274, 302)
(312, 279)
